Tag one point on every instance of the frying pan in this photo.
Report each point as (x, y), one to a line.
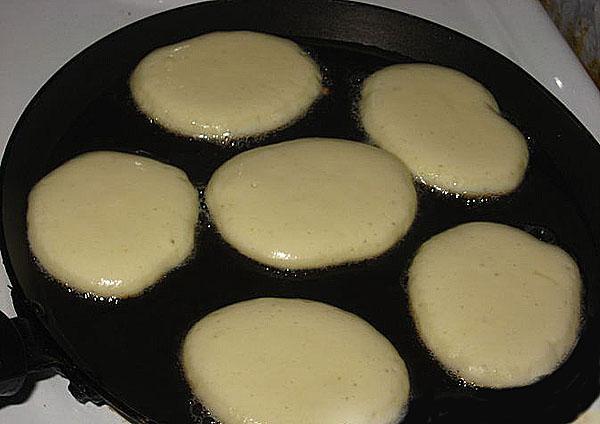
(126, 353)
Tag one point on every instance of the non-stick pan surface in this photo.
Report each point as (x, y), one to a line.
(128, 350)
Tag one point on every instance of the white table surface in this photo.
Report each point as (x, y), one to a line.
(38, 36)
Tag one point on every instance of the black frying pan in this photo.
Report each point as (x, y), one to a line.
(126, 353)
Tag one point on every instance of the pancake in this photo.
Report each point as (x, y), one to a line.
(591, 416)
(226, 85)
(111, 224)
(294, 361)
(446, 127)
(496, 306)
(312, 202)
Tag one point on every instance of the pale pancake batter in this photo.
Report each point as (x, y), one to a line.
(294, 361)
(496, 306)
(226, 85)
(312, 202)
(112, 224)
(446, 127)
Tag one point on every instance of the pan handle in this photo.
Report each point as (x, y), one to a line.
(13, 362)
(21, 355)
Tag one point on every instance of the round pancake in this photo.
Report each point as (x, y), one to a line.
(226, 85)
(294, 361)
(312, 202)
(111, 224)
(446, 127)
(496, 306)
